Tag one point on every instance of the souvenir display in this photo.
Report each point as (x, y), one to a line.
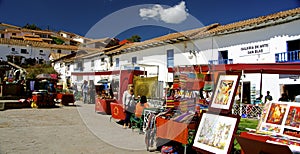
(215, 133)
(146, 86)
(224, 92)
(281, 118)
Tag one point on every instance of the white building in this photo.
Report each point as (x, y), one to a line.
(267, 39)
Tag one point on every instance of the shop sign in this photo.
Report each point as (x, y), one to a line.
(255, 49)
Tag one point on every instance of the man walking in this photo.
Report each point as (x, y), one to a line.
(85, 90)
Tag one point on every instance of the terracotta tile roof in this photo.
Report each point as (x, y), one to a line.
(90, 41)
(55, 55)
(33, 39)
(162, 40)
(4, 26)
(36, 44)
(254, 23)
(211, 30)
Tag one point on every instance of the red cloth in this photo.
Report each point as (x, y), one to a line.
(103, 105)
(172, 130)
(117, 111)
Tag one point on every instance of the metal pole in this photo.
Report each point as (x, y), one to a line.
(241, 99)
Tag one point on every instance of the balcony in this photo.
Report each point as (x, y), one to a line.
(78, 69)
(222, 61)
(290, 56)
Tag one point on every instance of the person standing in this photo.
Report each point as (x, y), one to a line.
(128, 105)
(85, 90)
(283, 98)
(92, 92)
(268, 97)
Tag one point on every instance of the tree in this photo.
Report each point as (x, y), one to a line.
(37, 69)
(134, 38)
(31, 26)
(58, 41)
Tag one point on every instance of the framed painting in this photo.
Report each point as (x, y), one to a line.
(275, 117)
(215, 133)
(224, 92)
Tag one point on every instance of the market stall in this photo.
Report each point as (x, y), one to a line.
(224, 75)
(42, 89)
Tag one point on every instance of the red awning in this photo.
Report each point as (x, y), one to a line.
(267, 68)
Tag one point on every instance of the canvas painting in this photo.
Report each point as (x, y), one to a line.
(215, 133)
(292, 122)
(225, 91)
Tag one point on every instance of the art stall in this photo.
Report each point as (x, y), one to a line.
(214, 130)
(277, 131)
(110, 92)
(188, 95)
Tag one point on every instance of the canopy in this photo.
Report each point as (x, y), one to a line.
(267, 68)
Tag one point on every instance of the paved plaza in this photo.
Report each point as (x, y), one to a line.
(66, 129)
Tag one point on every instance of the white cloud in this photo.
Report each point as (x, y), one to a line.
(173, 15)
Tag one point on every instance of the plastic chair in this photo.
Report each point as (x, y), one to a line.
(136, 123)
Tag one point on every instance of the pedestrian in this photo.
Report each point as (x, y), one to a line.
(111, 93)
(284, 97)
(139, 108)
(92, 92)
(85, 90)
(128, 105)
(268, 97)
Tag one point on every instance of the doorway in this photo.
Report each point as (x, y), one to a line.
(291, 90)
(246, 93)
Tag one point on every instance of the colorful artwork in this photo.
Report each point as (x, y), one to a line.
(276, 113)
(225, 92)
(291, 132)
(271, 128)
(293, 117)
(215, 133)
(145, 86)
(282, 118)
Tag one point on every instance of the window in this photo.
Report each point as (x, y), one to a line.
(41, 52)
(72, 52)
(58, 51)
(117, 62)
(293, 45)
(13, 49)
(223, 57)
(92, 63)
(24, 51)
(14, 34)
(79, 66)
(170, 58)
(2, 35)
(133, 60)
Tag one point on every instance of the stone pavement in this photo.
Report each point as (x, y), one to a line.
(66, 129)
(108, 130)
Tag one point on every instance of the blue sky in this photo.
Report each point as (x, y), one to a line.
(124, 18)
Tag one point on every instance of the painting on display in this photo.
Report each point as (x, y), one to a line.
(146, 86)
(215, 133)
(282, 118)
(274, 118)
(224, 92)
(292, 122)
